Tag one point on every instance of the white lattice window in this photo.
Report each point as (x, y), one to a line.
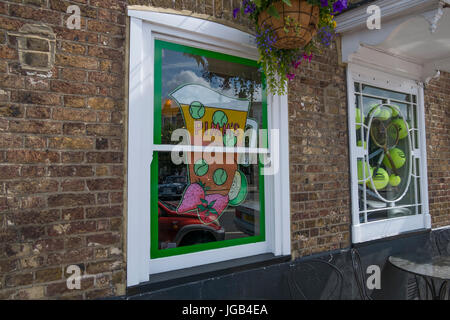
(388, 158)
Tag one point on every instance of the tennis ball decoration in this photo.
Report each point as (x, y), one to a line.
(358, 118)
(201, 167)
(380, 180)
(229, 139)
(360, 143)
(219, 118)
(197, 110)
(398, 157)
(368, 169)
(238, 190)
(381, 113)
(394, 180)
(402, 128)
(395, 110)
(220, 176)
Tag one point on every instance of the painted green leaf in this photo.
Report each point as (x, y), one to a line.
(258, 3)
(288, 2)
(211, 204)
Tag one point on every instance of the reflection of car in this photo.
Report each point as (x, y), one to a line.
(177, 230)
(172, 188)
(245, 217)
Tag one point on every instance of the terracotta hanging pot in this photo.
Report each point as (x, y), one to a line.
(296, 26)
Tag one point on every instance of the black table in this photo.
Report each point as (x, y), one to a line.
(427, 267)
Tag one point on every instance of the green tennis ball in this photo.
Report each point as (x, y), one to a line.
(398, 157)
(220, 177)
(358, 118)
(219, 118)
(360, 144)
(395, 110)
(196, 110)
(382, 113)
(380, 180)
(368, 169)
(394, 180)
(402, 128)
(229, 139)
(238, 190)
(201, 167)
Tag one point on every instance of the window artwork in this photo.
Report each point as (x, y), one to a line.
(387, 152)
(205, 199)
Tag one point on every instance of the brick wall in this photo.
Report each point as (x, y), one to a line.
(62, 151)
(319, 163)
(437, 114)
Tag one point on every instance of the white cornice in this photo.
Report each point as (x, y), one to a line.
(357, 18)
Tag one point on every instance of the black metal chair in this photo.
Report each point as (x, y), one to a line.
(315, 279)
(442, 241)
(359, 274)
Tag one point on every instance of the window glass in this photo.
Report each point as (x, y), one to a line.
(386, 135)
(194, 86)
(206, 199)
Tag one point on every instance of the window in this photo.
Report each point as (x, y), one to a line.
(213, 199)
(188, 75)
(387, 147)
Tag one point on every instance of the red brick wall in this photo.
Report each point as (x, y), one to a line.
(437, 114)
(62, 153)
(318, 142)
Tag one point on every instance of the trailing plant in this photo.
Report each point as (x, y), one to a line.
(279, 64)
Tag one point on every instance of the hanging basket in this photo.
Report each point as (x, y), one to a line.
(296, 26)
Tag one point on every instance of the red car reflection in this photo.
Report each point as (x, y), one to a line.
(177, 230)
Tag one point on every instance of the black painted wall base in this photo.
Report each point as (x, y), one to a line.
(331, 275)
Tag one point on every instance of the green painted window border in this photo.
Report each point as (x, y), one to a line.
(154, 251)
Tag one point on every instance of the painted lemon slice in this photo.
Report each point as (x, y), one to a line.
(238, 190)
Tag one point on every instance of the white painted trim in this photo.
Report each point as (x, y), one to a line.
(359, 43)
(138, 166)
(356, 18)
(374, 58)
(423, 158)
(212, 36)
(145, 27)
(386, 228)
(362, 232)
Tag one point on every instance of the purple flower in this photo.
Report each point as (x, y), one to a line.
(235, 12)
(326, 35)
(297, 63)
(290, 76)
(249, 6)
(324, 3)
(339, 6)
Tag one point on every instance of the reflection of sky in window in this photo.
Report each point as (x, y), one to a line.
(179, 69)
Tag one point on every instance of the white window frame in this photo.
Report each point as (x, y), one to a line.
(362, 232)
(145, 27)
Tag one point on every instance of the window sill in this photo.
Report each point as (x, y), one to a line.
(178, 277)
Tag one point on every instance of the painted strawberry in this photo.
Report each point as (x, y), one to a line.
(192, 197)
(212, 207)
